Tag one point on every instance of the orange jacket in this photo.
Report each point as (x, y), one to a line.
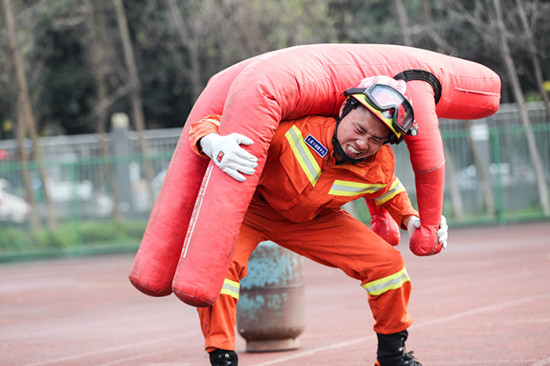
(301, 179)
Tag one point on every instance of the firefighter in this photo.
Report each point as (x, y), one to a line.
(314, 166)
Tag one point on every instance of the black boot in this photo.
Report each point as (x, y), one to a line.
(391, 350)
(222, 357)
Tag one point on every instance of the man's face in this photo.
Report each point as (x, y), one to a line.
(361, 134)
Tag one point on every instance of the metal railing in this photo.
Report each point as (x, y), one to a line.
(490, 177)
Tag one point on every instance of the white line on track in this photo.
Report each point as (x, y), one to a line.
(484, 309)
(297, 355)
(542, 362)
(102, 351)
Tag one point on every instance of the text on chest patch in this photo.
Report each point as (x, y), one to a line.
(318, 147)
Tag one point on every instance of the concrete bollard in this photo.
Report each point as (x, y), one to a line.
(271, 307)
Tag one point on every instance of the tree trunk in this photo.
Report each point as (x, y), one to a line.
(26, 123)
(456, 198)
(442, 46)
(98, 65)
(403, 22)
(192, 43)
(531, 142)
(137, 104)
(26, 175)
(484, 180)
(534, 57)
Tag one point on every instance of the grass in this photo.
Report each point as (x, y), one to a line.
(18, 242)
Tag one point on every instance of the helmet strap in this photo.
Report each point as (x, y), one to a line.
(348, 107)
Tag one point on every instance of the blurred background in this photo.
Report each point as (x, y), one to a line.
(94, 94)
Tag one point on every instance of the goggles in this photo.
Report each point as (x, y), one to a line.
(389, 105)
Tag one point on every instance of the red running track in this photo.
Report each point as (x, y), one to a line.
(484, 301)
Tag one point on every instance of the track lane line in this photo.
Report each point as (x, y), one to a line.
(484, 309)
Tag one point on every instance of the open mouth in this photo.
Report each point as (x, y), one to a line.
(353, 152)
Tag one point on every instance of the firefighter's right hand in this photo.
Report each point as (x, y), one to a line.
(427, 239)
(227, 153)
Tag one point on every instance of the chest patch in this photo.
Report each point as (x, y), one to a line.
(318, 147)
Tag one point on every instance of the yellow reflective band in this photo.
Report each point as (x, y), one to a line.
(385, 284)
(213, 120)
(395, 189)
(303, 154)
(346, 188)
(230, 288)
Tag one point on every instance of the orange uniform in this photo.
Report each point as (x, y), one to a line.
(297, 205)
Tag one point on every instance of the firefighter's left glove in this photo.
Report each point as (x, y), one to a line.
(427, 239)
(383, 224)
(227, 153)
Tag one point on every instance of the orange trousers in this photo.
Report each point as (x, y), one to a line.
(334, 239)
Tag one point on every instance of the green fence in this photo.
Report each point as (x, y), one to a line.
(82, 200)
(492, 176)
(490, 179)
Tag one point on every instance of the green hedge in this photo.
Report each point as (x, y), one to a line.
(71, 235)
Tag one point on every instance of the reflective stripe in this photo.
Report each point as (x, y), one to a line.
(303, 154)
(213, 120)
(230, 288)
(385, 284)
(345, 188)
(396, 188)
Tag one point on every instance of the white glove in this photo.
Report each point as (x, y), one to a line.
(413, 225)
(442, 232)
(227, 153)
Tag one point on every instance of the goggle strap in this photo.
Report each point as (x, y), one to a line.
(351, 91)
